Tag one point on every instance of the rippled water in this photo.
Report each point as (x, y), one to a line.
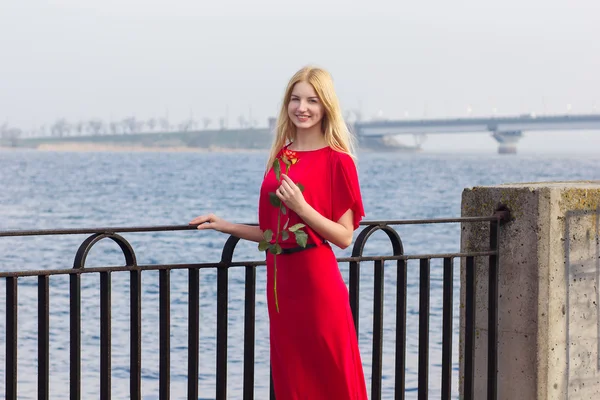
(43, 190)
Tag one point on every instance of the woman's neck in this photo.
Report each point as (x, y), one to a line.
(308, 140)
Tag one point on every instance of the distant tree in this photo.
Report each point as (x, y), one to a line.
(60, 128)
(129, 125)
(41, 131)
(15, 133)
(139, 126)
(151, 123)
(222, 123)
(79, 128)
(11, 134)
(206, 122)
(114, 127)
(164, 124)
(96, 126)
(185, 126)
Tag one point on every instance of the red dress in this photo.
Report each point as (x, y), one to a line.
(314, 349)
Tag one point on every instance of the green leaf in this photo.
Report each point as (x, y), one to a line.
(263, 245)
(274, 200)
(277, 169)
(268, 235)
(283, 209)
(285, 235)
(275, 249)
(294, 228)
(301, 238)
(300, 186)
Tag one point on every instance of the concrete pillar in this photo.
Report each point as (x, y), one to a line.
(507, 141)
(549, 281)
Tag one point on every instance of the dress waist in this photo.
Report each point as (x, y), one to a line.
(295, 249)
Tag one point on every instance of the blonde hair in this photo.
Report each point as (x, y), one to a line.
(336, 133)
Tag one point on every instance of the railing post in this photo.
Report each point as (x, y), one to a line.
(468, 374)
(376, 367)
(105, 336)
(193, 331)
(400, 364)
(447, 328)
(135, 336)
(75, 336)
(503, 215)
(165, 334)
(424, 302)
(43, 338)
(11, 338)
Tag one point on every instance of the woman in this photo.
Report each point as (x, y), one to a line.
(310, 197)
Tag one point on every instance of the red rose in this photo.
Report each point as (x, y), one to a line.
(290, 157)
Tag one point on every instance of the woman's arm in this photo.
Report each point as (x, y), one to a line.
(337, 232)
(211, 221)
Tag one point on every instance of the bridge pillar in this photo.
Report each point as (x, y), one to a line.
(507, 141)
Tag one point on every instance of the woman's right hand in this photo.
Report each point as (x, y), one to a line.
(210, 221)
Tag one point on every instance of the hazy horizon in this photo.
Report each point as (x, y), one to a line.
(115, 59)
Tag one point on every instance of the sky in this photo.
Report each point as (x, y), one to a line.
(110, 59)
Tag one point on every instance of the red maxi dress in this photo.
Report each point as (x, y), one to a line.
(314, 349)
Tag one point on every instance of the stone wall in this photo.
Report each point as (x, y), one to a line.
(549, 294)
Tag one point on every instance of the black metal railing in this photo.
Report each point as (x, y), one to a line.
(222, 267)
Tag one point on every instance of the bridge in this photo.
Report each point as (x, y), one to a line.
(506, 130)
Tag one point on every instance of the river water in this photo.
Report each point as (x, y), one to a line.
(43, 190)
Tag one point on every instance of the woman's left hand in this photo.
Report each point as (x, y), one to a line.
(290, 194)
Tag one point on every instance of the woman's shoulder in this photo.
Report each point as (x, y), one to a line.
(342, 157)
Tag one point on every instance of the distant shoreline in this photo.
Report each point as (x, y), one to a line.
(96, 147)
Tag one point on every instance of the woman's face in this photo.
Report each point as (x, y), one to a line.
(305, 109)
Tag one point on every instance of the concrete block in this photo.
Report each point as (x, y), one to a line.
(549, 300)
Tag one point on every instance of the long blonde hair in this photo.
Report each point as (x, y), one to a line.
(336, 133)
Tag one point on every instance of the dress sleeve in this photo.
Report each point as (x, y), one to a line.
(345, 189)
